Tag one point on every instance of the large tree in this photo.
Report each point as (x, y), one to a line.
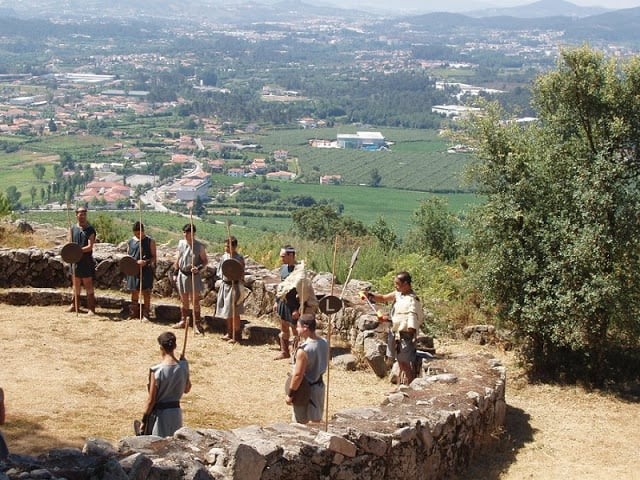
(558, 240)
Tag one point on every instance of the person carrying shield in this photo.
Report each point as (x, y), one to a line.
(191, 260)
(84, 235)
(287, 307)
(229, 304)
(406, 318)
(311, 361)
(143, 249)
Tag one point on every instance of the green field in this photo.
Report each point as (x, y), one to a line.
(363, 203)
(418, 159)
(416, 168)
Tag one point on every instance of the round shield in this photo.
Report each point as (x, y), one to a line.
(129, 266)
(71, 253)
(330, 304)
(232, 269)
(302, 395)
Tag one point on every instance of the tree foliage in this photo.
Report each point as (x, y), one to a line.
(557, 242)
(433, 231)
(323, 222)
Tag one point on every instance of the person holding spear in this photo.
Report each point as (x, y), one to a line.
(143, 249)
(84, 235)
(168, 381)
(191, 260)
(406, 317)
(228, 305)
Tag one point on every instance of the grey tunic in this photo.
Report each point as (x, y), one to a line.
(229, 290)
(171, 381)
(184, 281)
(317, 363)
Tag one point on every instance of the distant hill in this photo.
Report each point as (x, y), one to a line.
(617, 25)
(540, 9)
(578, 23)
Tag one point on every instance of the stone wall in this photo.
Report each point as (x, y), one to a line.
(430, 430)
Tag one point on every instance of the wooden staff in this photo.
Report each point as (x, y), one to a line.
(193, 277)
(140, 297)
(333, 276)
(73, 265)
(233, 297)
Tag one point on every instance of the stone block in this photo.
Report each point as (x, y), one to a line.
(336, 444)
(137, 466)
(347, 362)
(374, 354)
(246, 463)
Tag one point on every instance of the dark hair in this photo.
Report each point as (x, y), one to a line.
(138, 227)
(308, 320)
(404, 277)
(288, 249)
(234, 241)
(167, 341)
(188, 227)
(81, 208)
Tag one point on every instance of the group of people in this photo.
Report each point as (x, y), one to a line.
(296, 307)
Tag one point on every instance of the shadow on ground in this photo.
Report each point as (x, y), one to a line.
(26, 437)
(502, 452)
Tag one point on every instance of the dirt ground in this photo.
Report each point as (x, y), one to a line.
(68, 377)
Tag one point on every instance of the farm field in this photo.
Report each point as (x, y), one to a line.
(417, 160)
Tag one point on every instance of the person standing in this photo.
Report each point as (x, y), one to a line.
(287, 305)
(406, 318)
(229, 305)
(143, 249)
(168, 381)
(83, 234)
(191, 260)
(310, 363)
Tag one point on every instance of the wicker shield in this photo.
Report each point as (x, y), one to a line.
(71, 253)
(330, 304)
(129, 266)
(232, 269)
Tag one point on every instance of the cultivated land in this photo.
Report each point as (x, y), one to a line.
(67, 378)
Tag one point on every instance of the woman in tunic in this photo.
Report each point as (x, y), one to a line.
(168, 381)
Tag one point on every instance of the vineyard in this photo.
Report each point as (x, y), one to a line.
(417, 159)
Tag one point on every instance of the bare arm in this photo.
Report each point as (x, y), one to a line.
(89, 247)
(204, 260)
(383, 297)
(151, 396)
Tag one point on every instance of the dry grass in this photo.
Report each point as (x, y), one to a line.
(69, 377)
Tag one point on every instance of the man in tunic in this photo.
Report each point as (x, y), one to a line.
(191, 260)
(310, 363)
(143, 249)
(84, 271)
(406, 318)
